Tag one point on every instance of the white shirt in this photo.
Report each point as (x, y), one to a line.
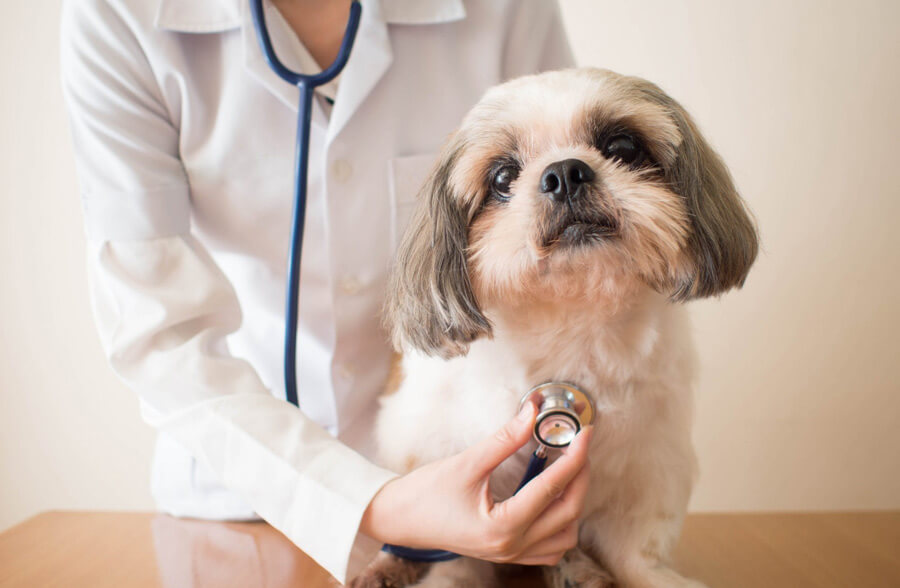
(184, 142)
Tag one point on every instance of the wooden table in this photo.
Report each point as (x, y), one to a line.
(125, 550)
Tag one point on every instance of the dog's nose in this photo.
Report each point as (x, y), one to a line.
(561, 180)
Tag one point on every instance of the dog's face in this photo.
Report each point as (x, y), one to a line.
(578, 183)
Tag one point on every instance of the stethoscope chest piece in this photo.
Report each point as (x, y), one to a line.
(563, 409)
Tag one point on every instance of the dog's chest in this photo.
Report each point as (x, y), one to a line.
(443, 407)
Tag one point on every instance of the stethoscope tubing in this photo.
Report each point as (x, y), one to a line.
(306, 84)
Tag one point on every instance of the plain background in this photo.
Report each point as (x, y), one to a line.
(799, 402)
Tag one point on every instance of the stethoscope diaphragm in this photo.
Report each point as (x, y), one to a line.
(563, 409)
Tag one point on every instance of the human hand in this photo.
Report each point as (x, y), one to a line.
(448, 504)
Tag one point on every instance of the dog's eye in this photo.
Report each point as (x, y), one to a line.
(502, 179)
(626, 149)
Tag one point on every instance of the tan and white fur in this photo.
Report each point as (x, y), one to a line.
(507, 279)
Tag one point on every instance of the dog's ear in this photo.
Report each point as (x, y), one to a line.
(430, 305)
(723, 241)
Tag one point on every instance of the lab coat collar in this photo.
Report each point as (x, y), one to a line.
(422, 12)
(369, 60)
(199, 16)
(216, 16)
(256, 65)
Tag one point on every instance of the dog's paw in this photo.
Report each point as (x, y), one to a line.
(577, 570)
(388, 571)
(464, 572)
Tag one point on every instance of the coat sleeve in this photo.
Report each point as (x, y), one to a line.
(536, 39)
(163, 308)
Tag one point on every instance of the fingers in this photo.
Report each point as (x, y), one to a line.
(539, 493)
(563, 512)
(488, 454)
(549, 551)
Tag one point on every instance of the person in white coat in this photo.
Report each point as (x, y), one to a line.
(184, 142)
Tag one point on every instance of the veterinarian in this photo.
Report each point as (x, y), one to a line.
(184, 141)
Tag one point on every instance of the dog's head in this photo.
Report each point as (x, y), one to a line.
(578, 183)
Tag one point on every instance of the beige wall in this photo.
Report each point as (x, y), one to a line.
(799, 403)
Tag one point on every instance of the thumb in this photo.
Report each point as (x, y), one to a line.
(491, 452)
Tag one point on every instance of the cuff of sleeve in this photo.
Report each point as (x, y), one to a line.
(330, 533)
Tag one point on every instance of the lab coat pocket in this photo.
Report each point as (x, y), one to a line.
(406, 176)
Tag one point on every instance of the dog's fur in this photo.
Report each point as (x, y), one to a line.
(491, 296)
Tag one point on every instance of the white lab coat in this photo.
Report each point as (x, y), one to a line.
(184, 142)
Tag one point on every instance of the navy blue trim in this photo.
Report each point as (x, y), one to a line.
(420, 555)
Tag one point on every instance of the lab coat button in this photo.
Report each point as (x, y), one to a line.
(342, 170)
(351, 285)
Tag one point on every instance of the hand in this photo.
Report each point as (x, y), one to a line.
(448, 505)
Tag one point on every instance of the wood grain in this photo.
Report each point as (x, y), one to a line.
(142, 550)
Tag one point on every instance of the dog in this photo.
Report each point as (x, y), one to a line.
(563, 224)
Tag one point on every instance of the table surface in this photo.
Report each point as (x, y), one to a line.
(99, 549)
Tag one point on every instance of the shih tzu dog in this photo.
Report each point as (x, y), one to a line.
(562, 223)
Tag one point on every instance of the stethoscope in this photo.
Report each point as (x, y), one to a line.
(307, 85)
(563, 409)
